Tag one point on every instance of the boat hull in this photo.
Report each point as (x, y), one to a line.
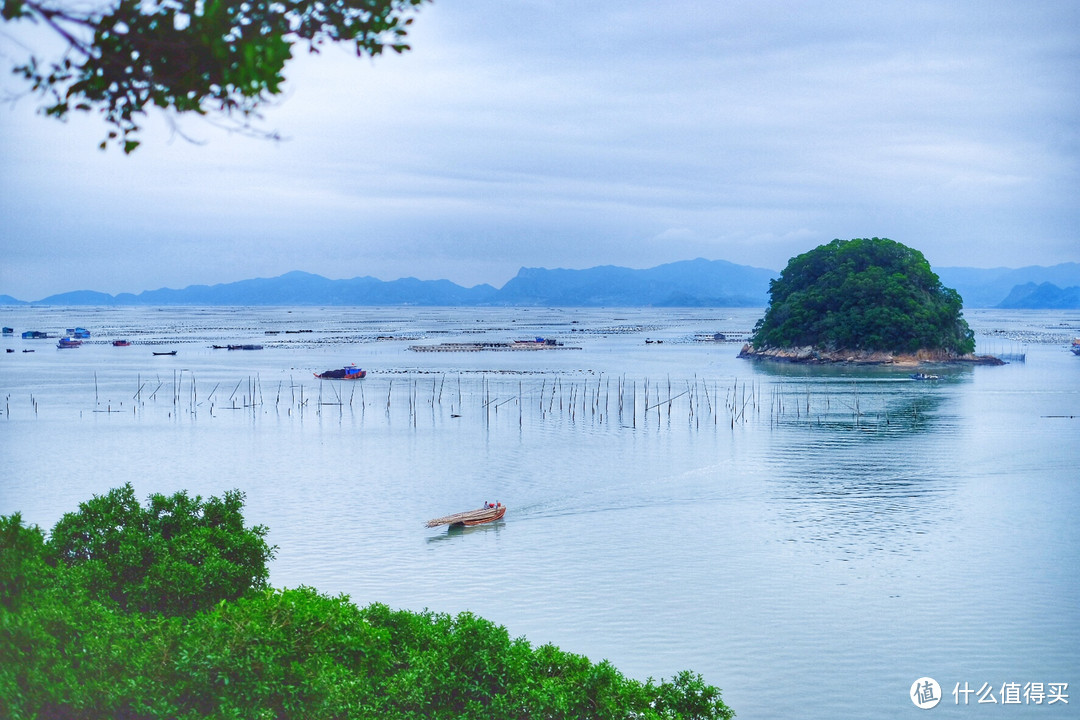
(499, 512)
(343, 374)
(470, 517)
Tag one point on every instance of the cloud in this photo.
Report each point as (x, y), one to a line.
(569, 134)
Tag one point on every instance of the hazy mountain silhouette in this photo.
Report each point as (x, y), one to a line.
(688, 283)
(1042, 296)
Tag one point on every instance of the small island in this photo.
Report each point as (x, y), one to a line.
(866, 300)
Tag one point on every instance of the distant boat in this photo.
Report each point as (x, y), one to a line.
(244, 347)
(121, 343)
(347, 373)
(66, 342)
(1076, 346)
(489, 513)
(9, 331)
(170, 352)
(924, 376)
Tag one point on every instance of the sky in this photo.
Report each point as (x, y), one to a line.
(556, 133)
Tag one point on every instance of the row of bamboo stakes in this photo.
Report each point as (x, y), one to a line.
(628, 401)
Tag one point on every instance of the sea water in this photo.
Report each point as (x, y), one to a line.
(812, 540)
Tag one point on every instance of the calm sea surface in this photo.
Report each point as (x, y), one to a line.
(811, 540)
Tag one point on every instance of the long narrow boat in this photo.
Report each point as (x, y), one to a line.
(488, 514)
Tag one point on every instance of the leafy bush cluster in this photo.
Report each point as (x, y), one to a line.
(863, 294)
(89, 630)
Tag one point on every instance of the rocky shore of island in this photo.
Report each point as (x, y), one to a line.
(810, 355)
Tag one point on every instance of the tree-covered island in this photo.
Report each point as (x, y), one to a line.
(868, 300)
(163, 611)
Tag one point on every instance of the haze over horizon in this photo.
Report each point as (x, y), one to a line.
(561, 135)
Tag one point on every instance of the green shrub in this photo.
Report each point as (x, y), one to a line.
(85, 632)
(175, 556)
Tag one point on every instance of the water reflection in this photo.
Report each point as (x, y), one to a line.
(878, 408)
(869, 484)
(457, 532)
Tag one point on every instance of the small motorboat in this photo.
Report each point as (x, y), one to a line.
(347, 373)
(487, 514)
(121, 343)
(924, 376)
(168, 352)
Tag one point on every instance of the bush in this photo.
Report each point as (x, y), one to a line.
(175, 556)
(86, 632)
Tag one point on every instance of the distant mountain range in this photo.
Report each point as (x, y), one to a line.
(689, 283)
(1044, 296)
(993, 287)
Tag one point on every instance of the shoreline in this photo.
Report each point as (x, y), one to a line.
(809, 355)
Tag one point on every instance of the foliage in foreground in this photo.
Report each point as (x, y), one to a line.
(224, 58)
(863, 294)
(76, 641)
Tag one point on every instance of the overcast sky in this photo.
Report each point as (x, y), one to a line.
(557, 133)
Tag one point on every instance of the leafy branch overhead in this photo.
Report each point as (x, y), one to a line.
(219, 58)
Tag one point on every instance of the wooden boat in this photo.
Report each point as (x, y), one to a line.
(170, 352)
(121, 343)
(487, 514)
(67, 342)
(348, 373)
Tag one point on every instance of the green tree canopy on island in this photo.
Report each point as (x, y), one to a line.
(220, 58)
(867, 294)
